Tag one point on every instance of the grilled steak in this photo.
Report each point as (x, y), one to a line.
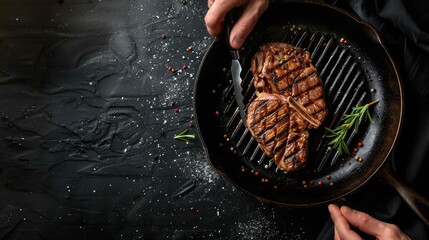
(280, 130)
(290, 101)
(287, 70)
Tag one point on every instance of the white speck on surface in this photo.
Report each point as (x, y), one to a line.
(198, 167)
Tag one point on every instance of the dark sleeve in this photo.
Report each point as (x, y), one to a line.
(404, 26)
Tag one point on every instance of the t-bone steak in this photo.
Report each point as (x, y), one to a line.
(290, 101)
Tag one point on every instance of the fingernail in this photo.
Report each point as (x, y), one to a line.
(237, 42)
(331, 207)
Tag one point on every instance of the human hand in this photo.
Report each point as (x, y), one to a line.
(344, 216)
(215, 18)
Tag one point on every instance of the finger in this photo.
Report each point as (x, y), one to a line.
(363, 221)
(336, 236)
(210, 3)
(247, 21)
(341, 225)
(215, 16)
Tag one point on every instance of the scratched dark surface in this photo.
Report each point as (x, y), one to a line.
(88, 114)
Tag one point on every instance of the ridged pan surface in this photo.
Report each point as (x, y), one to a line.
(355, 69)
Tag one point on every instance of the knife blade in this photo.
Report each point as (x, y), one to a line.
(236, 71)
(236, 79)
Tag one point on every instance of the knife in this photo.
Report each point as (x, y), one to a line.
(235, 70)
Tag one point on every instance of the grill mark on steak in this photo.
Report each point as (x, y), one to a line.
(290, 101)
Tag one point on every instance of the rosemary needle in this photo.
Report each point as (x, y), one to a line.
(184, 136)
(349, 121)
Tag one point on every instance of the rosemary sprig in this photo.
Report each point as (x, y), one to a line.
(349, 121)
(184, 136)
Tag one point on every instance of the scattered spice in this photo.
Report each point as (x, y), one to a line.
(191, 209)
(190, 48)
(320, 183)
(264, 180)
(163, 36)
(360, 144)
(217, 113)
(331, 183)
(328, 177)
(232, 149)
(184, 67)
(176, 109)
(256, 173)
(190, 125)
(305, 186)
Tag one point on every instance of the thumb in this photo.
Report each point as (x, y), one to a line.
(363, 221)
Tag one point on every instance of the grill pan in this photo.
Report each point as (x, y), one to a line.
(354, 72)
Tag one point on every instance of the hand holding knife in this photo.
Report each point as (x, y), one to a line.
(235, 69)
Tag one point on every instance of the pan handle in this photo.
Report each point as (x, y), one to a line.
(418, 203)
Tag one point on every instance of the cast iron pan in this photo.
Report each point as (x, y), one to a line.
(355, 69)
